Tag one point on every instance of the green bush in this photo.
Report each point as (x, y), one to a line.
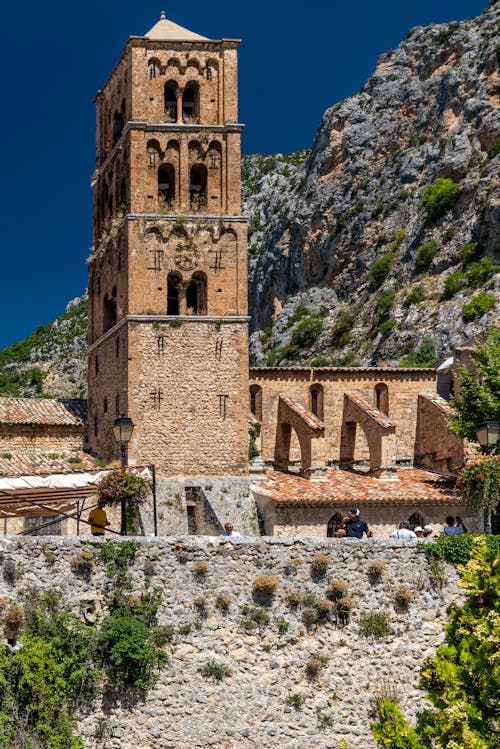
(478, 306)
(416, 295)
(381, 268)
(426, 254)
(299, 314)
(214, 670)
(457, 549)
(320, 361)
(494, 149)
(453, 284)
(307, 331)
(384, 302)
(375, 624)
(129, 650)
(423, 356)
(342, 328)
(469, 252)
(386, 326)
(479, 273)
(438, 198)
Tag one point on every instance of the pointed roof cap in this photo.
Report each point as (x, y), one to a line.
(169, 31)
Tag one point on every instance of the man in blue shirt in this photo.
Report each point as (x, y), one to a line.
(354, 526)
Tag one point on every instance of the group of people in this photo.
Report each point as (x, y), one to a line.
(351, 527)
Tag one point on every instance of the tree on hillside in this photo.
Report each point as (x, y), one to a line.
(479, 398)
(463, 679)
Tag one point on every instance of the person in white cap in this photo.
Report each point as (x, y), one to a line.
(418, 531)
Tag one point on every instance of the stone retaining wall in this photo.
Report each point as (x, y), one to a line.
(249, 708)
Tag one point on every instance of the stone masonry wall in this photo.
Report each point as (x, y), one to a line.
(196, 423)
(403, 387)
(45, 438)
(267, 661)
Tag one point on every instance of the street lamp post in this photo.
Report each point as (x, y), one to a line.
(487, 434)
(123, 427)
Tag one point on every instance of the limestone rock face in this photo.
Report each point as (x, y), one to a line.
(321, 220)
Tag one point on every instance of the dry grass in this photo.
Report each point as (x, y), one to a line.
(403, 595)
(266, 585)
(14, 616)
(320, 564)
(293, 597)
(376, 569)
(337, 589)
(201, 567)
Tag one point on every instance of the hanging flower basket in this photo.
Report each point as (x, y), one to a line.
(123, 484)
(478, 483)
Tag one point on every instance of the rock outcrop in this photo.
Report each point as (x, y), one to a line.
(345, 234)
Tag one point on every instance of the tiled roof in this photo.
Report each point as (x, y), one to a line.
(367, 407)
(389, 370)
(438, 401)
(33, 462)
(69, 412)
(310, 419)
(344, 488)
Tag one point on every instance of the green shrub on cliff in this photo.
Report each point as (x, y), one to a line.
(438, 198)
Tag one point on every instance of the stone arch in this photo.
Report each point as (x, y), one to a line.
(118, 125)
(196, 294)
(378, 429)
(256, 401)
(198, 186)
(170, 96)
(193, 63)
(174, 287)
(381, 398)
(211, 69)
(196, 152)
(333, 524)
(191, 102)
(306, 426)
(154, 68)
(166, 185)
(214, 153)
(174, 62)
(316, 396)
(154, 152)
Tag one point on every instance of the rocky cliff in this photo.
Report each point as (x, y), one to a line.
(357, 252)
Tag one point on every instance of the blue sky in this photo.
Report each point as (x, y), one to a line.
(296, 59)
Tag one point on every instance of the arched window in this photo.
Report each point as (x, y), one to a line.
(118, 125)
(316, 400)
(171, 101)
(190, 103)
(153, 68)
(333, 525)
(109, 313)
(198, 186)
(173, 287)
(382, 398)
(256, 401)
(166, 185)
(196, 294)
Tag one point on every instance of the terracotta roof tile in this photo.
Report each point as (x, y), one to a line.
(310, 419)
(69, 412)
(438, 401)
(370, 410)
(34, 462)
(344, 488)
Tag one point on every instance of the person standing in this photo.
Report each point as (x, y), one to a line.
(354, 526)
(403, 531)
(98, 519)
(229, 531)
(454, 526)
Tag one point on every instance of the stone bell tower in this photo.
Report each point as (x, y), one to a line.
(168, 338)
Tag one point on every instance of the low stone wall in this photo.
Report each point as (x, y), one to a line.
(251, 707)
